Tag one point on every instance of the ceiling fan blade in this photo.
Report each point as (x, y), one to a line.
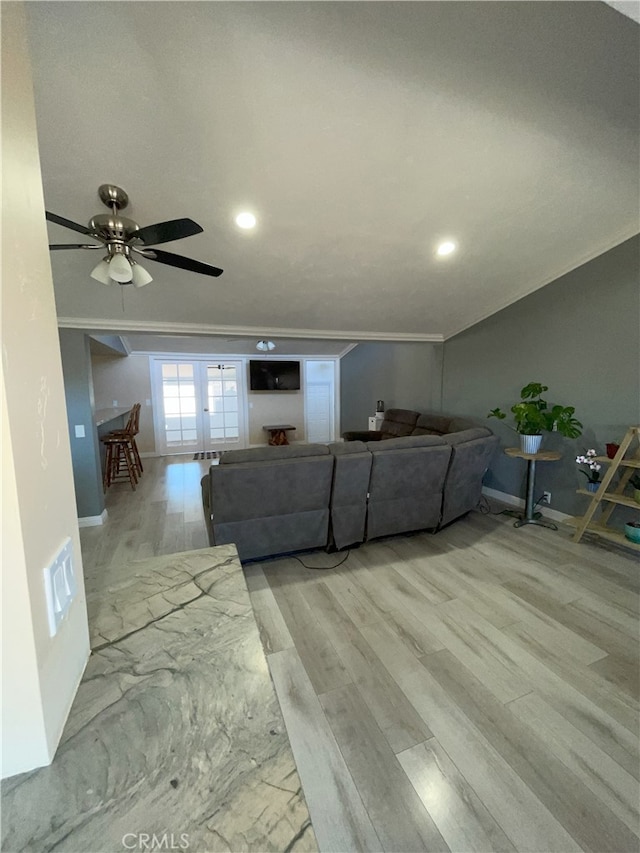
(56, 246)
(183, 263)
(165, 232)
(60, 220)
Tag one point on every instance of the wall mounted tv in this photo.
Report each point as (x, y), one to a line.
(274, 375)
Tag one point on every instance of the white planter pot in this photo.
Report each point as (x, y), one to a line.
(530, 443)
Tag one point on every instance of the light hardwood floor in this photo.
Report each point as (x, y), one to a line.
(163, 516)
(472, 690)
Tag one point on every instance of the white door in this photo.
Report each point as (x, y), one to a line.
(319, 391)
(224, 405)
(198, 405)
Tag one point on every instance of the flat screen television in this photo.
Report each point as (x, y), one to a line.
(274, 375)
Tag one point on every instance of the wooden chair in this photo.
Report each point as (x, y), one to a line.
(129, 433)
(119, 461)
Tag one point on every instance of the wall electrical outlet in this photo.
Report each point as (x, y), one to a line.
(546, 497)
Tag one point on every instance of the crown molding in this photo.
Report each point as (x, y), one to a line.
(161, 327)
(347, 349)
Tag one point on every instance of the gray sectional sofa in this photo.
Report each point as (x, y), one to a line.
(276, 500)
(472, 447)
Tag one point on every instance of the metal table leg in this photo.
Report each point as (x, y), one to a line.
(531, 517)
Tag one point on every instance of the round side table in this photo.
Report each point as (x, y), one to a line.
(529, 516)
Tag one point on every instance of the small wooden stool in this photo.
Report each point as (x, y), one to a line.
(278, 433)
(119, 461)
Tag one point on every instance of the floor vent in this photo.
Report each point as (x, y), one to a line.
(206, 454)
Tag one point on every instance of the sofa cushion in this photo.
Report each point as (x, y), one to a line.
(458, 424)
(455, 438)
(272, 454)
(398, 422)
(406, 442)
(431, 424)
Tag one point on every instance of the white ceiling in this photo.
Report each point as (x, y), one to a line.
(360, 134)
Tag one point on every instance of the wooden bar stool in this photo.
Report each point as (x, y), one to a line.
(119, 461)
(130, 432)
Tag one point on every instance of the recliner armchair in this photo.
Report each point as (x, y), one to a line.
(406, 484)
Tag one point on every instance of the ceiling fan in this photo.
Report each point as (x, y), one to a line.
(123, 239)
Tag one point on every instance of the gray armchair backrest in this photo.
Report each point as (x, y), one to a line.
(270, 453)
(271, 507)
(472, 451)
(406, 484)
(434, 423)
(351, 473)
(431, 424)
(398, 422)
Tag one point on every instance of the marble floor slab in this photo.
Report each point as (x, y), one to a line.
(175, 732)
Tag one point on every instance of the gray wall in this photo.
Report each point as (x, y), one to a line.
(580, 335)
(85, 452)
(404, 375)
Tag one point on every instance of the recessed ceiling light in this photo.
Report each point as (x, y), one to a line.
(246, 220)
(447, 247)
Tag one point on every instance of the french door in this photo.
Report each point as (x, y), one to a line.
(199, 405)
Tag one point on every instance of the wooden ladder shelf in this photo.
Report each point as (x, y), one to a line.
(613, 498)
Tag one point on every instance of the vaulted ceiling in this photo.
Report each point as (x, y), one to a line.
(360, 134)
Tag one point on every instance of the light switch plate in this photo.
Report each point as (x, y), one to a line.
(60, 586)
(79, 430)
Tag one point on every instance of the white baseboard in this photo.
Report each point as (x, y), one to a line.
(93, 520)
(512, 500)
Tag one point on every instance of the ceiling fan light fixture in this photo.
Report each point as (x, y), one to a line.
(139, 276)
(265, 346)
(121, 236)
(101, 272)
(120, 268)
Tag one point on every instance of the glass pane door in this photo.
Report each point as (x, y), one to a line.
(179, 402)
(199, 405)
(222, 415)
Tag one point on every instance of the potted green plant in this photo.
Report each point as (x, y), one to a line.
(533, 416)
(593, 474)
(634, 481)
